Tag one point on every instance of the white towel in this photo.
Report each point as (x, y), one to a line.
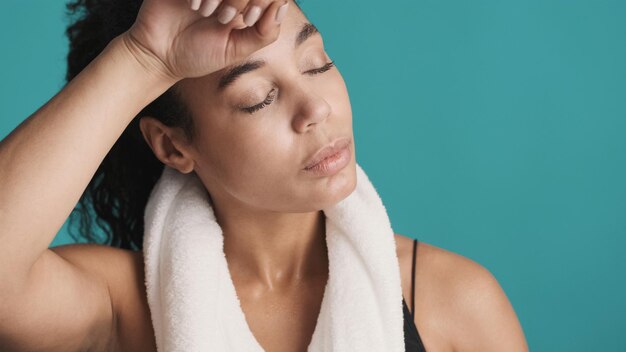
(192, 298)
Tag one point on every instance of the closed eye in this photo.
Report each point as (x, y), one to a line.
(322, 69)
(270, 97)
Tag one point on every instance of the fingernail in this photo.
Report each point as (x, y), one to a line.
(252, 15)
(227, 14)
(195, 4)
(280, 14)
(209, 7)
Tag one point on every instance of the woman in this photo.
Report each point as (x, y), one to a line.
(164, 83)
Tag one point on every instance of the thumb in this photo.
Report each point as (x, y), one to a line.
(244, 42)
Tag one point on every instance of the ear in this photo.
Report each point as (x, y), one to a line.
(167, 144)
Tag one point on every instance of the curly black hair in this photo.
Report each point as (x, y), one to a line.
(119, 190)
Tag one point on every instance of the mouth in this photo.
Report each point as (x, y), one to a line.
(330, 151)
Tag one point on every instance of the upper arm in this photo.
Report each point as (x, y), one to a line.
(485, 319)
(64, 306)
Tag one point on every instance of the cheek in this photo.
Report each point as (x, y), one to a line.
(337, 96)
(245, 146)
(265, 152)
(261, 171)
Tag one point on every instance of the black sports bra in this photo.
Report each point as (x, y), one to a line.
(412, 340)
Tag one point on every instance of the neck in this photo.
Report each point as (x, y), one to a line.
(275, 250)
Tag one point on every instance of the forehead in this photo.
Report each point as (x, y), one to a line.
(294, 29)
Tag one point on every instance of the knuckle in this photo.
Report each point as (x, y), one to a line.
(240, 5)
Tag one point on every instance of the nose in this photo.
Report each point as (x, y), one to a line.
(311, 109)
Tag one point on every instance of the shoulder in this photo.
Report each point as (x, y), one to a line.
(459, 304)
(123, 271)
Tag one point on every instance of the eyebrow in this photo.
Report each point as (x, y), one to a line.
(307, 31)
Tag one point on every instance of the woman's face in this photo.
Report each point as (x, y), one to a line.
(258, 157)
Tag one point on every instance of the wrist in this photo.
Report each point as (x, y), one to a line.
(139, 75)
(149, 63)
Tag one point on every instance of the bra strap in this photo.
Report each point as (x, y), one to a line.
(413, 280)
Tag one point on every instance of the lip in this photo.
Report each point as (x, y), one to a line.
(333, 164)
(328, 152)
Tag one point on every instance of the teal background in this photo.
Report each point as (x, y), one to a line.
(493, 129)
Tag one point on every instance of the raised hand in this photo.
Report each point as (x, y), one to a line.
(192, 38)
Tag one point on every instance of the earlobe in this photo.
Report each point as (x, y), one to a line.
(160, 139)
(185, 166)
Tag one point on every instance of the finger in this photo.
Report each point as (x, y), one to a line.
(253, 12)
(195, 4)
(265, 31)
(229, 9)
(208, 7)
(281, 12)
(269, 24)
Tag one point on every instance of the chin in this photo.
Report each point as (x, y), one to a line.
(343, 185)
(352, 169)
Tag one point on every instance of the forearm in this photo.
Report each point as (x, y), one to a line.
(48, 160)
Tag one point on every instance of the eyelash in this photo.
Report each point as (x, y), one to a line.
(270, 98)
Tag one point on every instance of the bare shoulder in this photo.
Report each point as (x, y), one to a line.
(459, 304)
(123, 270)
